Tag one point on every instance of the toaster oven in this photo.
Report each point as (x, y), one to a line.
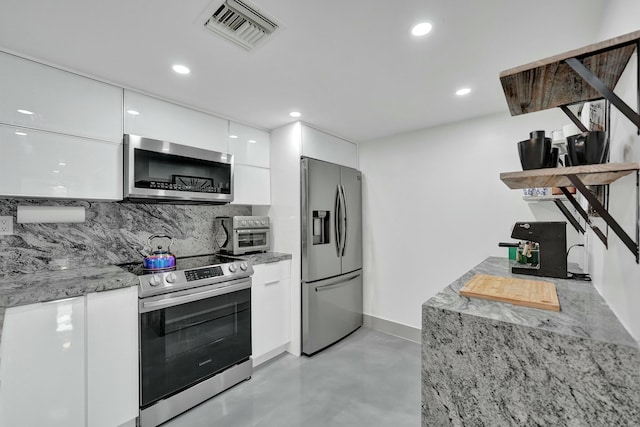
(245, 234)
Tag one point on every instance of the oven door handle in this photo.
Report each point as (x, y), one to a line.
(253, 230)
(147, 306)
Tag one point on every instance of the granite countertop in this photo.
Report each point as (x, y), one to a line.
(22, 289)
(583, 312)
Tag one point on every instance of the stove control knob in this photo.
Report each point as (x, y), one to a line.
(171, 277)
(244, 222)
(243, 266)
(155, 280)
(232, 268)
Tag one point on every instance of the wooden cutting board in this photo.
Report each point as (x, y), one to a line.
(529, 293)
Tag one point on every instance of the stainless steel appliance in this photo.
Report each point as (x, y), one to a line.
(331, 253)
(245, 234)
(195, 333)
(160, 170)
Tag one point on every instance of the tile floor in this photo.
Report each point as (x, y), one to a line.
(368, 379)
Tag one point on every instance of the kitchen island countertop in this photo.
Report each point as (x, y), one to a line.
(487, 362)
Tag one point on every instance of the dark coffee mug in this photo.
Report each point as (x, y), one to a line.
(588, 148)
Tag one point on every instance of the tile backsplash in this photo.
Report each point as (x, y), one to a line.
(113, 233)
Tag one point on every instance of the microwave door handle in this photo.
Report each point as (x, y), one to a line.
(343, 205)
(336, 221)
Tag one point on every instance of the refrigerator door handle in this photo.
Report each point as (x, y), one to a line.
(336, 222)
(343, 206)
(343, 282)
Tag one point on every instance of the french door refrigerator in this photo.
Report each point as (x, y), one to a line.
(331, 234)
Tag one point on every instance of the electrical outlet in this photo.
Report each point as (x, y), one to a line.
(6, 225)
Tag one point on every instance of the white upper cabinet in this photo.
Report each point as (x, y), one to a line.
(322, 146)
(153, 118)
(249, 146)
(37, 96)
(42, 365)
(251, 185)
(51, 165)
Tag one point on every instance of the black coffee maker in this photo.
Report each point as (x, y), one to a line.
(552, 242)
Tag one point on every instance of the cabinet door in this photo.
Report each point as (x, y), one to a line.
(42, 365)
(251, 185)
(153, 118)
(249, 146)
(59, 101)
(44, 164)
(322, 146)
(112, 357)
(270, 310)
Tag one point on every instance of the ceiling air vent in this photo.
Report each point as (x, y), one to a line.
(241, 23)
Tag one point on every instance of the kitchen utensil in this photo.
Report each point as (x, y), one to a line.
(535, 153)
(160, 259)
(528, 293)
(588, 148)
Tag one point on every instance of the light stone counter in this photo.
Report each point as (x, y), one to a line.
(265, 257)
(22, 289)
(492, 363)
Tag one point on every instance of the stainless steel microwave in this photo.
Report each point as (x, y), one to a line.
(160, 170)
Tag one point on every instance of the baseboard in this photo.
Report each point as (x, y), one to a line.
(392, 328)
(269, 355)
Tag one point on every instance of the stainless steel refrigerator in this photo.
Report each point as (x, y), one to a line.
(331, 253)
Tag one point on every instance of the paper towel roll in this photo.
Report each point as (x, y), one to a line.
(50, 214)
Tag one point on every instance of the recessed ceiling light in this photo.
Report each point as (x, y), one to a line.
(27, 112)
(20, 133)
(133, 112)
(62, 164)
(233, 136)
(252, 141)
(295, 114)
(421, 29)
(181, 69)
(463, 91)
(55, 171)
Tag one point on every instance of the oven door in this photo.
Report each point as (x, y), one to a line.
(250, 240)
(189, 336)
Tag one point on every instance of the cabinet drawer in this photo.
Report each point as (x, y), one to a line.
(271, 272)
(44, 164)
(58, 100)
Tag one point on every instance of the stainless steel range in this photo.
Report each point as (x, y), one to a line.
(195, 333)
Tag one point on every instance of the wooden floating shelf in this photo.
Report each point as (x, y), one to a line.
(557, 177)
(551, 82)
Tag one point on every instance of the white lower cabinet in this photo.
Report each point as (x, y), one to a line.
(42, 365)
(71, 362)
(270, 310)
(251, 185)
(112, 357)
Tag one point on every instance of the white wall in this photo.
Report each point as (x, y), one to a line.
(434, 207)
(614, 271)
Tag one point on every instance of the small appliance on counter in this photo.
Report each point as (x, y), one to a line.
(245, 234)
(547, 240)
